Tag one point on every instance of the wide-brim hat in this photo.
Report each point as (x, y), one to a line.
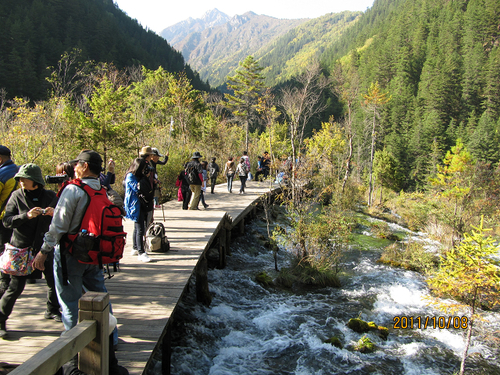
(146, 150)
(196, 155)
(88, 156)
(31, 172)
(156, 152)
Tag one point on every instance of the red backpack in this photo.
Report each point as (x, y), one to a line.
(100, 239)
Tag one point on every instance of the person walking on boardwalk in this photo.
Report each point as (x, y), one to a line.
(213, 169)
(67, 218)
(260, 169)
(204, 183)
(242, 171)
(7, 185)
(28, 215)
(138, 170)
(184, 186)
(147, 154)
(194, 176)
(229, 171)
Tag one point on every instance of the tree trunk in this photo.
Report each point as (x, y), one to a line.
(469, 334)
(347, 164)
(372, 154)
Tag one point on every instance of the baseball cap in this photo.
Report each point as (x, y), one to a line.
(88, 156)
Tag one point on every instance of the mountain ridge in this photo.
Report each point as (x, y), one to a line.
(215, 51)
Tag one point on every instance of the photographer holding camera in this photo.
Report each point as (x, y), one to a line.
(28, 214)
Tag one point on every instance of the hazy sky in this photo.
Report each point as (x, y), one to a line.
(159, 14)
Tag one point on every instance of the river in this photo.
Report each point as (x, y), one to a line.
(249, 329)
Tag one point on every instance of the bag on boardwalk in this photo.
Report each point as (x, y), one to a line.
(15, 261)
(100, 239)
(156, 238)
(250, 176)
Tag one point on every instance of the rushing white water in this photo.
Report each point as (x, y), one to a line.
(249, 329)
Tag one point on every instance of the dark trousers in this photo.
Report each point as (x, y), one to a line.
(186, 196)
(258, 174)
(48, 273)
(202, 199)
(16, 287)
(138, 237)
(213, 181)
(243, 180)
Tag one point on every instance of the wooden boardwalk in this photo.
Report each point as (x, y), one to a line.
(143, 295)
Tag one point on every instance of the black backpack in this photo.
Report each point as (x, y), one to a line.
(191, 174)
(156, 239)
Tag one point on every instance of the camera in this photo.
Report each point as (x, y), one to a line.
(56, 179)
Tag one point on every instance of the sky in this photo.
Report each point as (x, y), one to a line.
(157, 15)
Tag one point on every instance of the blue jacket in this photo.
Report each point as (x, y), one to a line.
(7, 183)
(132, 204)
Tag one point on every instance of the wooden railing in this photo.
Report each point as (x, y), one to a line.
(90, 338)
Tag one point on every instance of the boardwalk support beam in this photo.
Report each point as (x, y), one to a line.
(202, 291)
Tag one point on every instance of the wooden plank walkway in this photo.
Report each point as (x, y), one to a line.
(143, 295)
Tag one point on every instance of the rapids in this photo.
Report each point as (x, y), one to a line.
(249, 329)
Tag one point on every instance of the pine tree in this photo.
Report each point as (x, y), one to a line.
(247, 85)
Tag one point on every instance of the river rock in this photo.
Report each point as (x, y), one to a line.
(360, 326)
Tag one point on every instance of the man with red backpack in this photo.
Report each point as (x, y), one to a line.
(67, 237)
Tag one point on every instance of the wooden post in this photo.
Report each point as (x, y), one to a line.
(202, 291)
(241, 225)
(228, 236)
(94, 358)
(222, 248)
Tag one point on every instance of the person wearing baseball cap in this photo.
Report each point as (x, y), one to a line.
(7, 185)
(68, 214)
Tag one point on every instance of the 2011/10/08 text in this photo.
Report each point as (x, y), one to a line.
(424, 322)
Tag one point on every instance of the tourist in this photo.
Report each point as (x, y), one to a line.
(155, 160)
(28, 215)
(67, 218)
(134, 175)
(213, 169)
(229, 170)
(204, 183)
(242, 171)
(194, 175)
(260, 169)
(7, 185)
(266, 164)
(184, 187)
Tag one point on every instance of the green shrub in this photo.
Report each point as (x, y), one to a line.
(410, 256)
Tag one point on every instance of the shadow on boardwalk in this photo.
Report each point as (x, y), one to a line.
(143, 295)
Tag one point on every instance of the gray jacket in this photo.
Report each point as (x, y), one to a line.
(68, 213)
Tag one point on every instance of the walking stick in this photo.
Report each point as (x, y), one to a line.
(162, 209)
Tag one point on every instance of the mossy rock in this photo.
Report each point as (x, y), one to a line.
(365, 345)
(335, 341)
(264, 279)
(360, 326)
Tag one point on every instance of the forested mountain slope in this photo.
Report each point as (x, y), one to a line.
(439, 64)
(35, 33)
(290, 54)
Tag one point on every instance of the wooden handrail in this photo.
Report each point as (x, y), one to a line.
(90, 337)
